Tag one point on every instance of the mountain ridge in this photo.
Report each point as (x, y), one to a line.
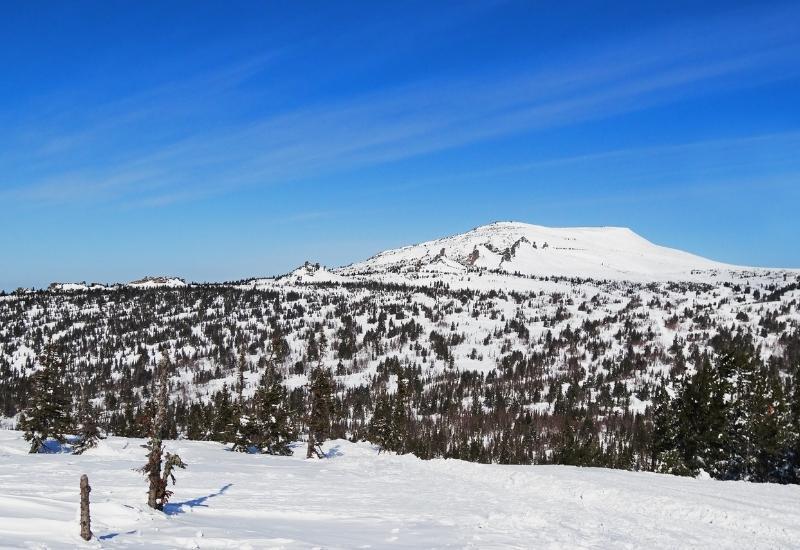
(505, 249)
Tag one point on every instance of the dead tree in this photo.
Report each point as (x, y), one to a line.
(86, 522)
(157, 494)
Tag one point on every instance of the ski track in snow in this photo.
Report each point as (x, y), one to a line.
(361, 499)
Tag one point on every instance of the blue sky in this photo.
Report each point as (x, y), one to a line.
(217, 141)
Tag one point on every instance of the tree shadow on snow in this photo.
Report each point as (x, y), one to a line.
(251, 450)
(112, 535)
(176, 508)
(333, 452)
(51, 446)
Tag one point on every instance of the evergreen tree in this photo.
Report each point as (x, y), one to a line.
(278, 345)
(665, 420)
(47, 416)
(763, 435)
(708, 420)
(224, 427)
(701, 425)
(689, 429)
(577, 447)
(272, 429)
(242, 441)
(241, 367)
(312, 349)
(238, 430)
(86, 428)
(230, 423)
(319, 413)
(741, 415)
(730, 419)
(793, 430)
(758, 416)
(400, 415)
(381, 429)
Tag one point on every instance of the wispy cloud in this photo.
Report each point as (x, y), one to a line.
(762, 153)
(676, 191)
(147, 149)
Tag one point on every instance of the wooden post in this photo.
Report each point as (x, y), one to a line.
(86, 522)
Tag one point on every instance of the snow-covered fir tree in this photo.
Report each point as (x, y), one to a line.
(272, 427)
(319, 410)
(87, 430)
(48, 413)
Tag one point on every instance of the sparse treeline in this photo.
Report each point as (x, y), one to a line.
(569, 377)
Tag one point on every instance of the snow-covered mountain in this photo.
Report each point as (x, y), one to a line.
(156, 282)
(309, 273)
(506, 255)
(534, 250)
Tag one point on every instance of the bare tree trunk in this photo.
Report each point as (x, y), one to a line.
(86, 522)
(311, 450)
(154, 474)
(156, 492)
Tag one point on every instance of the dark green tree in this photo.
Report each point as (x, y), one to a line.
(400, 416)
(47, 416)
(271, 427)
(663, 454)
(381, 429)
(278, 345)
(226, 426)
(319, 410)
(86, 427)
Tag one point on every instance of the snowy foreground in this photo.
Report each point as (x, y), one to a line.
(359, 499)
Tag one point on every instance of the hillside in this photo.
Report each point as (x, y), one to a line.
(158, 282)
(359, 499)
(492, 366)
(533, 250)
(309, 274)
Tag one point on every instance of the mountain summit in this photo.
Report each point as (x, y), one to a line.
(526, 249)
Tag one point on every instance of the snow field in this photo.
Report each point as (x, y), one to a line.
(361, 499)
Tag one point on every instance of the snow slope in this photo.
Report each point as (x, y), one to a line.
(505, 254)
(158, 282)
(69, 287)
(76, 287)
(360, 499)
(513, 247)
(309, 273)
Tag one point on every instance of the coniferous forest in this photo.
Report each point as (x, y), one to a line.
(682, 378)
